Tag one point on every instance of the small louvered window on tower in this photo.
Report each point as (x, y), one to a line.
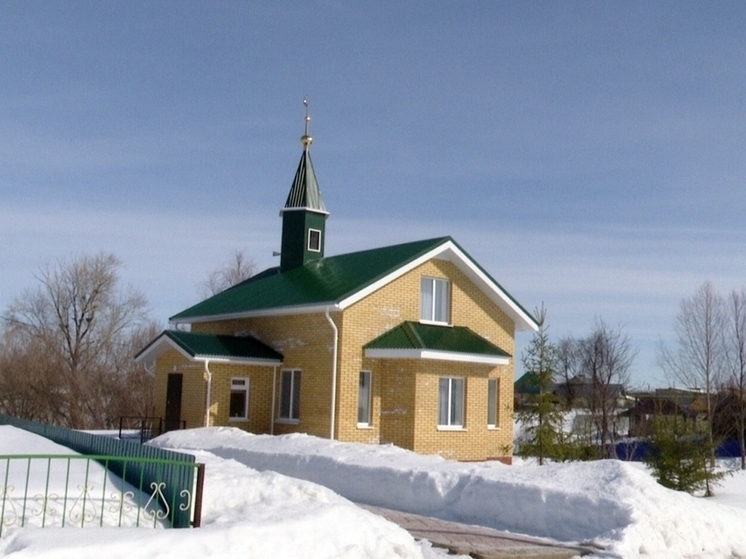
(314, 240)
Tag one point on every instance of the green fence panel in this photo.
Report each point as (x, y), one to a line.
(178, 483)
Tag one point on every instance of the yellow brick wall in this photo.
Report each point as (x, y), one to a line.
(389, 307)
(192, 389)
(305, 340)
(475, 441)
(260, 396)
(396, 397)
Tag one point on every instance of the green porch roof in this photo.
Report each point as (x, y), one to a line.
(208, 346)
(415, 339)
(327, 280)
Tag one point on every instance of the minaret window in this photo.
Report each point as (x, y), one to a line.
(314, 240)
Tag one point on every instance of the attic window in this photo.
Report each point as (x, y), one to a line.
(435, 300)
(314, 240)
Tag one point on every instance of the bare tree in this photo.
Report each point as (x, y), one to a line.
(604, 359)
(71, 338)
(238, 269)
(567, 367)
(736, 363)
(698, 361)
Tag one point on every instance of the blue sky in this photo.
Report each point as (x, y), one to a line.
(590, 155)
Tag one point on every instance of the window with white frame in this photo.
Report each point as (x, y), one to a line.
(451, 402)
(363, 398)
(493, 399)
(435, 300)
(290, 395)
(314, 240)
(238, 407)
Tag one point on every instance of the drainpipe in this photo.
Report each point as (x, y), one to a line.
(208, 376)
(334, 372)
(274, 397)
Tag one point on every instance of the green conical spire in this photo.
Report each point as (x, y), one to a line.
(304, 214)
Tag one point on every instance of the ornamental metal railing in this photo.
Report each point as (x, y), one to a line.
(140, 428)
(83, 491)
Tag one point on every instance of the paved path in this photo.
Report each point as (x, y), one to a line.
(476, 541)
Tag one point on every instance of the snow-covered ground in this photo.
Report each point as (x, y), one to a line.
(252, 510)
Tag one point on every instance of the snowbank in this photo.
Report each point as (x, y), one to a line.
(613, 504)
(245, 513)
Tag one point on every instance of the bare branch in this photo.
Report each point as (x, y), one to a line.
(238, 269)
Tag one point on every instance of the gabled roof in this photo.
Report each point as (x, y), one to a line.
(196, 346)
(337, 282)
(415, 340)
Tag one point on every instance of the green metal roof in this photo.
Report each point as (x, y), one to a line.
(327, 280)
(453, 339)
(208, 346)
(305, 191)
(527, 384)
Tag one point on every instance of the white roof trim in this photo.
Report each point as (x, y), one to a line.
(436, 355)
(277, 311)
(449, 251)
(303, 209)
(158, 347)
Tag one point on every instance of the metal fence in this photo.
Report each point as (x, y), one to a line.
(76, 490)
(145, 428)
(175, 478)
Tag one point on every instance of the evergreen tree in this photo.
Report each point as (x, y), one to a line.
(680, 455)
(543, 419)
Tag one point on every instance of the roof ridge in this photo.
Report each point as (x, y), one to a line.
(411, 332)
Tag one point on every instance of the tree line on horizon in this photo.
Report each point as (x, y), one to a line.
(67, 344)
(709, 356)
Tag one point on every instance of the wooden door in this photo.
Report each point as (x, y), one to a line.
(173, 401)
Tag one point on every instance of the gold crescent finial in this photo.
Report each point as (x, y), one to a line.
(306, 140)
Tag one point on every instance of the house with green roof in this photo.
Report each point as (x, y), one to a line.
(411, 344)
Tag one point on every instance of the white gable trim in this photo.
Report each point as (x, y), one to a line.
(451, 252)
(158, 347)
(436, 355)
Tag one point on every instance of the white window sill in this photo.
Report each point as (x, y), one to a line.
(493, 427)
(364, 426)
(451, 428)
(286, 421)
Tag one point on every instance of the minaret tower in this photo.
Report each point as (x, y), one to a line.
(304, 215)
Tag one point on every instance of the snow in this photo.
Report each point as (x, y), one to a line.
(293, 496)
